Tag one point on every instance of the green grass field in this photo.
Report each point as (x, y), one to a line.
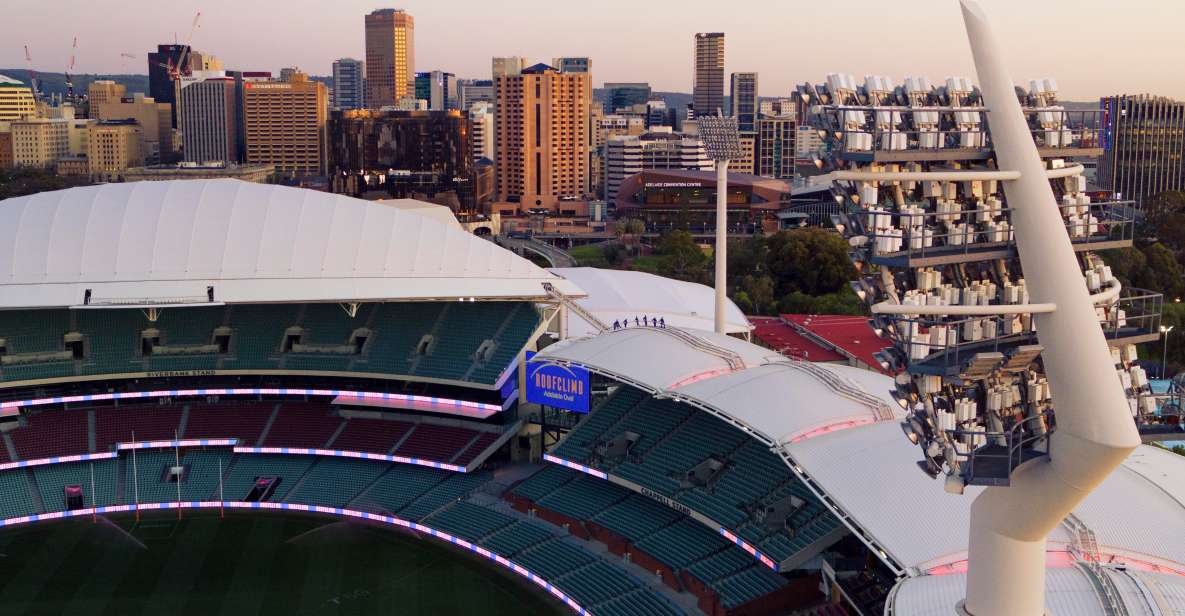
(248, 564)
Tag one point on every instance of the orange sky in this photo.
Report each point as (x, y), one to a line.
(1092, 47)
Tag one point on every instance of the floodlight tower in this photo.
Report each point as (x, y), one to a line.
(723, 145)
(1006, 552)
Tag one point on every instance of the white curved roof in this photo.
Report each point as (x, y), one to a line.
(435, 211)
(656, 359)
(618, 294)
(251, 242)
(1068, 591)
(865, 465)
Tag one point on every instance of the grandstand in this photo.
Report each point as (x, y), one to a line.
(366, 379)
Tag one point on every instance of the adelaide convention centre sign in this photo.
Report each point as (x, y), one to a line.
(556, 385)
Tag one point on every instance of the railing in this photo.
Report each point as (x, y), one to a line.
(921, 237)
(1003, 451)
(899, 129)
(965, 337)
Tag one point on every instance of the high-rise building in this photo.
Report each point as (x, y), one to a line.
(438, 88)
(349, 84)
(156, 132)
(162, 63)
(170, 61)
(242, 78)
(627, 155)
(390, 57)
(1143, 139)
(481, 130)
(657, 114)
(743, 100)
(285, 124)
(112, 147)
(103, 91)
(776, 148)
(470, 91)
(510, 65)
(744, 164)
(422, 154)
(16, 100)
(572, 64)
(623, 95)
(207, 118)
(707, 94)
(542, 128)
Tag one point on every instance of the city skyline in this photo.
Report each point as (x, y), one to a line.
(787, 45)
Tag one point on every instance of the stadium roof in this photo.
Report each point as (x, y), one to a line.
(617, 294)
(435, 211)
(144, 243)
(850, 336)
(858, 460)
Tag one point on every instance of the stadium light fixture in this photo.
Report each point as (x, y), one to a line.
(723, 144)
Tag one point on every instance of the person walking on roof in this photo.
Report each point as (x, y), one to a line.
(662, 322)
(616, 325)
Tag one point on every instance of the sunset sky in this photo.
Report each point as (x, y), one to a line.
(1092, 47)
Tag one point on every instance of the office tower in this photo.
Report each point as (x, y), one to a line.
(481, 130)
(657, 114)
(285, 124)
(807, 143)
(438, 88)
(707, 95)
(542, 127)
(405, 153)
(16, 100)
(470, 91)
(202, 61)
(1143, 140)
(743, 100)
(776, 148)
(572, 65)
(624, 95)
(162, 64)
(349, 84)
(103, 91)
(156, 133)
(241, 78)
(390, 57)
(744, 163)
(510, 65)
(113, 146)
(207, 119)
(626, 155)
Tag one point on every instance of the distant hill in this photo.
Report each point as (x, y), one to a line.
(55, 83)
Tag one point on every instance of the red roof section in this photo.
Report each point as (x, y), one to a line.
(850, 336)
(781, 337)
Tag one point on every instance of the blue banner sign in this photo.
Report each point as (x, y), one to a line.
(562, 387)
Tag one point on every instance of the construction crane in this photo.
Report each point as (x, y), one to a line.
(69, 80)
(175, 71)
(32, 72)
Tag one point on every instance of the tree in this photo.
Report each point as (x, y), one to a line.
(1164, 271)
(682, 258)
(1163, 215)
(813, 261)
(759, 291)
(840, 302)
(21, 182)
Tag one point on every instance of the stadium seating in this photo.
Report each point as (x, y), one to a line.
(141, 422)
(334, 481)
(244, 421)
(371, 435)
(454, 487)
(473, 522)
(248, 467)
(484, 440)
(15, 497)
(52, 480)
(665, 534)
(112, 339)
(201, 480)
(301, 425)
(673, 440)
(435, 442)
(398, 487)
(66, 428)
